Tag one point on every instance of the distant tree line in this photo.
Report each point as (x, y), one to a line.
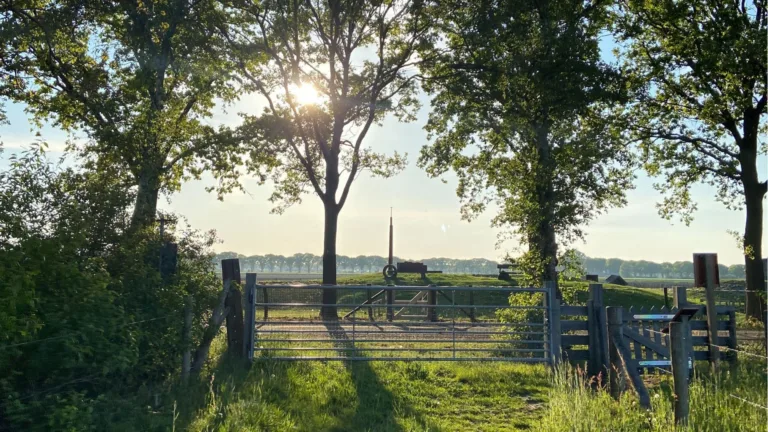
(649, 269)
(310, 263)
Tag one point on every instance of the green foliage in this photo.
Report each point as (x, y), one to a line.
(85, 316)
(520, 115)
(700, 69)
(571, 262)
(138, 79)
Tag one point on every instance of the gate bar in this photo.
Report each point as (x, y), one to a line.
(406, 288)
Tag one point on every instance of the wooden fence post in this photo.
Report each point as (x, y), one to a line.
(472, 308)
(680, 299)
(598, 337)
(615, 321)
(680, 296)
(230, 272)
(186, 358)
(732, 342)
(249, 331)
(712, 325)
(432, 301)
(555, 334)
(678, 335)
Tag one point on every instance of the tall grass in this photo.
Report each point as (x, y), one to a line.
(574, 406)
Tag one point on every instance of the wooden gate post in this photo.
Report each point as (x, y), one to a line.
(706, 274)
(432, 301)
(553, 314)
(678, 350)
(680, 296)
(615, 322)
(230, 273)
(249, 331)
(472, 308)
(598, 336)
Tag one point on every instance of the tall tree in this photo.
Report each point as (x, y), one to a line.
(522, 87)
(702, 66)
(334, 68)
(139, 78)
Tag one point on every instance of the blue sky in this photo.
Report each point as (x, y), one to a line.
(427, 219)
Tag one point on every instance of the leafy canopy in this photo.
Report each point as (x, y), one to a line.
(700, 72)
(519, 114)
(138, 78)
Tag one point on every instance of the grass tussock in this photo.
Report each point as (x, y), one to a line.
(574, 406)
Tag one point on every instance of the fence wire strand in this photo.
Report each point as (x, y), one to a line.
(76, 333)
(742, 352)
(756, 405)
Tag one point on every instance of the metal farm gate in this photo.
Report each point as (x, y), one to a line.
(387, 323)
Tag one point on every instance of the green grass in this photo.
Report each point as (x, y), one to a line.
(574, 406)
(363, 396)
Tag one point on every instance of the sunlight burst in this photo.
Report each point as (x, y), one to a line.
(306, 94)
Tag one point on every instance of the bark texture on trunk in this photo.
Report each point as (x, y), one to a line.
(754, 192)
(329, 261)
(546, 241)
(753, 262)
(147, 194)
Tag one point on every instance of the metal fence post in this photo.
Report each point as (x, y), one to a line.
(249, 335)
(453, 320)
(390, 297)
(553, 313)
(678, 333)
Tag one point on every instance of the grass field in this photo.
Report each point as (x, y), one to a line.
(420, 396)
(365, 396)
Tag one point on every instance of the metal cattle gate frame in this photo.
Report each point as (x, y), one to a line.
(393, 323)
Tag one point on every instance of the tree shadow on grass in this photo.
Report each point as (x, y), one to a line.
(296, 395)
(376, 405)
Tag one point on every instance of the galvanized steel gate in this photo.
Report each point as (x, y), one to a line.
(386, 323)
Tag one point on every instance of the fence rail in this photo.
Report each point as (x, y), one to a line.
(392, 323)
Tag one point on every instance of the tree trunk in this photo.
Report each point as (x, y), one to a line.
(329, 261)
(754, 191)
(546, 239)
(753, 259)
(147, 193)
